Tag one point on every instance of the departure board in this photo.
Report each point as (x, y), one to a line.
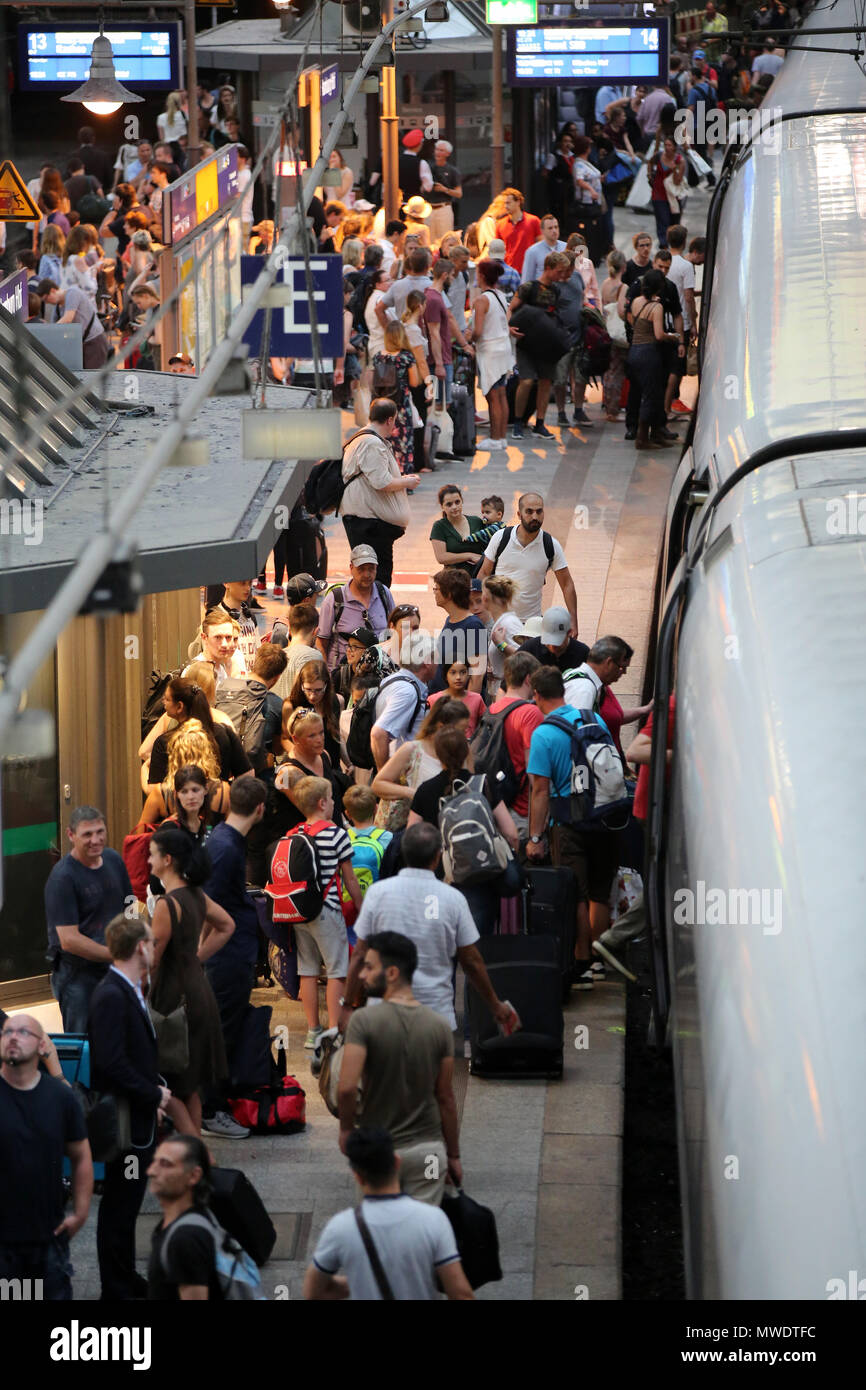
(58, 55)
(569, 55)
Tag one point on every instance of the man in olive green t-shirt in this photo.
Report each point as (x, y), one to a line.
(401, 1054)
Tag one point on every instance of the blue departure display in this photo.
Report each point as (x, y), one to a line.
(551, 55)
(144, 56)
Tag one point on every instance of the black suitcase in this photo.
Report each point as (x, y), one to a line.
(462, 412)
(240, 1210)
(525, 971)
(552, 911)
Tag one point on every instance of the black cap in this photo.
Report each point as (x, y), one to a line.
(303, 586)
(365, 635)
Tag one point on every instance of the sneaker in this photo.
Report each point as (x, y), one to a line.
(467, 1050)
(612, 959)
(279, 591)
(597, 970)
(489, 444)
(583, 974)
(259, 588)
(562, 419)
(542, 431)
(680, 408)
(581, 417)
(252, 602)
(517, 429)
(630, 434)
(312, 1038)
(222, 1126)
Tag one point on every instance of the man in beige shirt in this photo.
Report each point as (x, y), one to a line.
(375, 507)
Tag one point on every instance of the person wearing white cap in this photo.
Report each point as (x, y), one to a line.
(446, 190)
(363, 602)
(525, 553)
(553, 645)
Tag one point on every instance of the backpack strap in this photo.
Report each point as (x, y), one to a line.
(547, 542)
(506, 537)
(373, 1256)
(199, 1222)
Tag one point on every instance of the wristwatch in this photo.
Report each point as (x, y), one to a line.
(536, 839)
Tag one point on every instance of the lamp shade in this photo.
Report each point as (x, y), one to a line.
(102, 93)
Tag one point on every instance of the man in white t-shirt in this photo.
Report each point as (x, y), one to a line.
(525, 553)
(412, 1242)
(392, 243)
(682, 275)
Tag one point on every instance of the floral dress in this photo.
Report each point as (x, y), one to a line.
(402, 442)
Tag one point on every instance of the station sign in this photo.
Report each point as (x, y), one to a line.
(197, 195)
(329, 87)
(13, 295)
(291, 335)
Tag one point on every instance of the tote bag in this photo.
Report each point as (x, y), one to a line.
(640, 193)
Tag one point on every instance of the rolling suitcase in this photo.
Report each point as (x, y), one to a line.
(552, 911)
(524, 970)
(462, 412)
(239, 1210)
(73, 1054)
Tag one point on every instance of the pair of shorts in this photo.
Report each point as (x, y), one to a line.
(423, 1171)
(501, 382)
(592, 856)
(674, 364)
(528, 369)
(567, 364)
(323, 942)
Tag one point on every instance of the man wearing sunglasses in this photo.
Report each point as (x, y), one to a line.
(363, 602)
(40, 1122)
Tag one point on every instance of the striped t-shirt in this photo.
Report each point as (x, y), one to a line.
(333, 847)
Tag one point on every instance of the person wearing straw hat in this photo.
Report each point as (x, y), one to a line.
(416, 214)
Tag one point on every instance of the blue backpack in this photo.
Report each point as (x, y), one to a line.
(236, 1271)
(598, 790)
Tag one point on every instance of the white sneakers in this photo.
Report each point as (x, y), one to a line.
(491, 444)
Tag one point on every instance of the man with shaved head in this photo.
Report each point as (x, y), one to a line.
(525, 553)
(40, 1121)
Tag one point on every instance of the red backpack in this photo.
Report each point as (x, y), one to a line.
(296, 880)
(136, 856)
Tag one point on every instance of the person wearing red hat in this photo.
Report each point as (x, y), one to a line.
(416, 176)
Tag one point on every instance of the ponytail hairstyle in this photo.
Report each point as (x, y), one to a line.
(188, 693)
(191, 861)
(451, 749)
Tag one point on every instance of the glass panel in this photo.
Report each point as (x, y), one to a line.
(30, 812)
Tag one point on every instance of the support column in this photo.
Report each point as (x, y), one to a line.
(497, 139)
(193, 139)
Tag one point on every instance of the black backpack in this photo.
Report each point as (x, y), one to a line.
(323, 490)
(245, 707)
(546, 541)
(386, 381)
(363, 718)
(491, 755)
(153, 706)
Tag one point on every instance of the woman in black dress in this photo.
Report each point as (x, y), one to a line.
(188, 928)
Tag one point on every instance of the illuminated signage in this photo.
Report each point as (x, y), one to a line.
(330, 83)
(57, 56)
(512, 11)
(196, 196)
(566, 54)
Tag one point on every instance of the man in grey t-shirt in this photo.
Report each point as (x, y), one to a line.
(78, 307)
(417, 277)
(402, 1056)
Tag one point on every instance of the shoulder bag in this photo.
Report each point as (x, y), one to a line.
(373, 1256)
(172, 1029)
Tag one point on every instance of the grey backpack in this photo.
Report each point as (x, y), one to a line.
(473, 851)
(244, 701)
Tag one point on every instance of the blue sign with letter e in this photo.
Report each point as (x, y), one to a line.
(291, 335)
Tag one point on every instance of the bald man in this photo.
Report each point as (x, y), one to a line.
(525, 553)
(40, 1122)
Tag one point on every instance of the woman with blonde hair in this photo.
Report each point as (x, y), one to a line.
(395, 373)
(413, 763)
(224, 757)
(171, 123)
(305, 756)
(352, 251)
(51, 249)
(76, 270)
(613, 293)
(498, 593)
(485, 228)
(313, 689)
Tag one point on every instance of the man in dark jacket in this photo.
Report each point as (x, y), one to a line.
(124, 1063)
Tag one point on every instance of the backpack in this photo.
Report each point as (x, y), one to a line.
(363, 718)
(598, 786)
(473, 851)
(546, 540)
(386, 381)
(595, 357)
(236, 1271)
(136, 856)
(245, 707)
(153, 706)
(324, 488)
(297, 890)
(419, 699)
(575, 675)
(491, 755)
(369, 848)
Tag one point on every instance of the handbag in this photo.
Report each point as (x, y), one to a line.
(692, 359)
(106, 1117)
(615, 325)
(474, 1229)
(640, 193)
(673, 193)
(442, 418)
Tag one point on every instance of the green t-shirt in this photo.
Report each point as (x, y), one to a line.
(405, 1046)
(444, 531)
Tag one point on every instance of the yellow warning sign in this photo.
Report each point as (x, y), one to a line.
(16, 204)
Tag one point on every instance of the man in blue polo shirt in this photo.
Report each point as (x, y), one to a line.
(232, 969)
(363, 602)
(593, 855)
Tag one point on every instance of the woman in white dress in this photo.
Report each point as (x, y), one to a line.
(494, 349)
(171, 123)
(345, 192)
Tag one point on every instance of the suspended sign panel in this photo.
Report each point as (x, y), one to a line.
(576, 56)
(291, 334)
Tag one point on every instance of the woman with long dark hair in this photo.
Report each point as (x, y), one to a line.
(184, 700)
(188, 928)
(647, 361)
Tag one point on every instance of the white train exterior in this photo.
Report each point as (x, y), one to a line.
(761, 834)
